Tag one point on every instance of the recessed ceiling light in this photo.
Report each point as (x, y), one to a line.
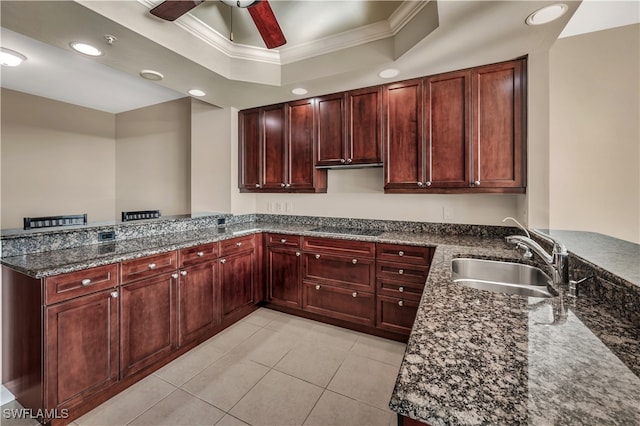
(151, 75)
(196, 92)
(299, 91)
(388, 73)
(546, 14)
(239, 3)
(11, 58)
(85, 48)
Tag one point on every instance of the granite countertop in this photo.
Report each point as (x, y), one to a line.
(474, 356)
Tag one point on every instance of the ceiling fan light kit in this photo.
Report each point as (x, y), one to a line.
(240, 3)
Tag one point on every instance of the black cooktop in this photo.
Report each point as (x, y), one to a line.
(348, 231)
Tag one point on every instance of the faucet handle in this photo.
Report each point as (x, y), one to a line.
(574, 288)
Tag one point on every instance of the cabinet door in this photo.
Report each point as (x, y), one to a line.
(447, 104)
(403, 137)
(274, 149)
(250, 155)
(301, 145)
(147, 322)
(341, 303)
(340, 271)
(498, 140)
(330, 113)
(284, 278)
(395, 314)
(198, 309)
(81, 348)
(364, 126)
(237, 279)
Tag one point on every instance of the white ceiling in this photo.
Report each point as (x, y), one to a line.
(468, 33)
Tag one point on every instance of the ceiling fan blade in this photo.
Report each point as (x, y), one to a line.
(267, 24)
(172, 10)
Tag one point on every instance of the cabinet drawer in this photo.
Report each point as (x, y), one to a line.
(396, 314)
(148, 266)
(74, 284)
(341, 303)
(402, 272)
(344, 247)
(284, 240)
(198, 254)
(237, 245)
(404, 254)
(399, 289)
(349, 272)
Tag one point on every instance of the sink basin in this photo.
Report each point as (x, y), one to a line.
(501, 277)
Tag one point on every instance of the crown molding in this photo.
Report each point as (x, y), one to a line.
(294, 53)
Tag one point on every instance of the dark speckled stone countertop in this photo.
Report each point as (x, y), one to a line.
(473, 357)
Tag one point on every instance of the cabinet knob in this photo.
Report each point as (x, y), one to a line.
(288, 185)
(183, 273)
(401, 253)
(283, 241)
(174, 276)
(401, 289)
(354, 261)
(317, 256)
(317, 287)
(427, 183)
(342, 160)
(86, 281)
(400, 303)
(114, 294)
(282, 185)
(223, 261)
(258, 185)
(298, 253)
(238, 244)
(152, 266)
(349, 160)
(476, 183)
(420, 184)
(200, 254)
(401, 271)
(354, 294)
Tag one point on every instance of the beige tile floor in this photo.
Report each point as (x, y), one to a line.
(268, 369)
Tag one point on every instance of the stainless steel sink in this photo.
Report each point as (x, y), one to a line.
(501, 277)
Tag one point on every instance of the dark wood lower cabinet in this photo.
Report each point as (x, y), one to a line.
(396, 314)
(408, 421)
(284, 276)
(237, 278)
(81, 348)
(147, 322)
(341, 303)
(199, 301)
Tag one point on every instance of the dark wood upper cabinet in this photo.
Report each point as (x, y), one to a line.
(250, 155)
(350, 128)
(404, 159)
(498, 111)
(281, 139)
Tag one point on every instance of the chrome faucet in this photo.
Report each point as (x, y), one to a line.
(557, 261)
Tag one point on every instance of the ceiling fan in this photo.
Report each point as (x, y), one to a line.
(260, 12)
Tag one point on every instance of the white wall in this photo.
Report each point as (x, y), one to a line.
(153, 158)
(57, 159)
(595, 133)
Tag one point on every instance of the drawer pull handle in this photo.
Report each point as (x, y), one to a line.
(354, 261)
(317, 287)
(400, 253)
(223, 261)
(298, 253)
(354, 294)
(400, 303)
(238, 244)
(283, 241)
(174, 276)
(86, 281)
(152, 266)
(183, 273)
(317, 256)
(401, 271)
(114, 294)
(401, 289)
(200, 254)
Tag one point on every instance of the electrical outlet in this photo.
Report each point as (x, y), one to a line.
(446, 213)
(271, 206)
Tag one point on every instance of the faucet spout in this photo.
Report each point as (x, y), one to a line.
(557, 261)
